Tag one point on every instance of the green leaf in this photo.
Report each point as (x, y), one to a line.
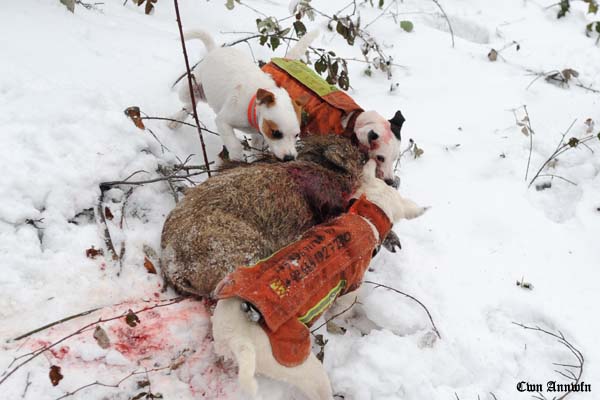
(284, 32)
(299, 28)
(598, 135)
(229, 4)
(381, 3)
(565, 6)
(321, 65)
(263, 39)
(407, 26)
(344, 81)
(275, 42)
(573, 142)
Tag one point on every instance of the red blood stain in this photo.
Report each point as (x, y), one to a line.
(60, 352)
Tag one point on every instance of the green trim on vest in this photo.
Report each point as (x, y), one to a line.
(303, 74)
(323, 304)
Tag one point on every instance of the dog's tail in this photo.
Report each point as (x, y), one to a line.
(299, 49)
(206, 38)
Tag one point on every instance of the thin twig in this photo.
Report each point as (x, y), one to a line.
(576, 352)
(115, 385)
(556, 153)
(437, 3)
(51, 324)
(435, 329)
(557, 176)
(530, 141)
(335, 316)
(35, 353)
(191, 87)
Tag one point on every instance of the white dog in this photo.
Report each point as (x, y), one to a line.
(378, 137)
(237, 337)
(245, 98)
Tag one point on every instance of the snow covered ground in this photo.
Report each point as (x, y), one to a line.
(65, 80)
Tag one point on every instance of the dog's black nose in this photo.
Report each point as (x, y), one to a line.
(288, 157)
(395, 183)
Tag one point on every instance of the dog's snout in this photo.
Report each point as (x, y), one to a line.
(288, 157)
(395, 183)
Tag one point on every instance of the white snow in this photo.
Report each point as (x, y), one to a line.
(65, 80)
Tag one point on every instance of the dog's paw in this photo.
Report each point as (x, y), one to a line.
(392, 242)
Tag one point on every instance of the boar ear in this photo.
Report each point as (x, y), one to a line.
(372, 136)
(396, 123)
(264, 97)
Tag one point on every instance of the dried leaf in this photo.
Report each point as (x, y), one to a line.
(134, 114)
(590, 125)
(132, 319)
(93, 253)
(417, 151)
(299, 28)
(108, 214)
(101, 337)
(139, 396)
(569, 73)
(525, 131)
(143, 384)
(553, 163)
(55, 375)
(149, 266)
(493, 55)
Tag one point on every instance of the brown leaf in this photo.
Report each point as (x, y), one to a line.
(55, 375)
(417, 151)
(134, 114)
(525, 131)
(149, 266)
(590, 125)
(93, 253)
(568, 73)
(101, 337)
(493, 55)
(131, 318)
(108, 214)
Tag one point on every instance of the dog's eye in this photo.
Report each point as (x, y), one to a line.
(381, 158)
(277, 134)
(297, 135)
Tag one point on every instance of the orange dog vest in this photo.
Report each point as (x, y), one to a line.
(294, 286)
(324, 106)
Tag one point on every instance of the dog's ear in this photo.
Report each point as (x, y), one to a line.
(264, 97)
(396, 124)
(372, 136)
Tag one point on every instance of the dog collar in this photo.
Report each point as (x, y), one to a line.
(252, 118)
(364, 208)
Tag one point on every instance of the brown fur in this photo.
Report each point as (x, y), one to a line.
(249, 212)
(268, 127)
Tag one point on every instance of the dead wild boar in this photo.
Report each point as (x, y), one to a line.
(248, 212)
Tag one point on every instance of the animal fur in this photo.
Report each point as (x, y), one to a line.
(245, 341)
(247, 213)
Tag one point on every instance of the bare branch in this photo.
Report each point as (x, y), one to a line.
(435, 329)
(191, 87)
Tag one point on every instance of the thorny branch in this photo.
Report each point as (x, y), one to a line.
(28, 357)
(435, 329)
(576, 352)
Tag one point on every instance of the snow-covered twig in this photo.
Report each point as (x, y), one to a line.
(114, 385)
(437, 3)
(576, 352)
(435, 329)
(335, 316)
(191, 87)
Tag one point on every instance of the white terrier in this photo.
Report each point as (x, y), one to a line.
(378, 137)
(245, 98)
(245, 341)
